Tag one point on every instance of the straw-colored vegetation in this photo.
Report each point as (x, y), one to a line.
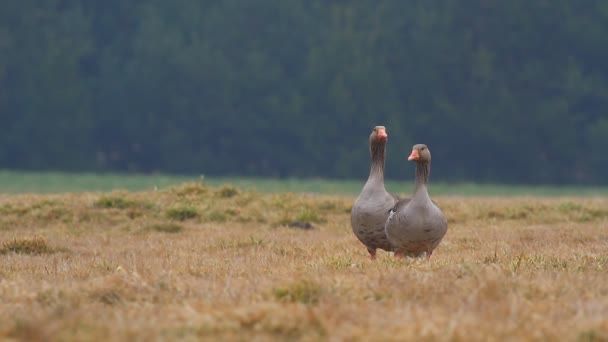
(195, 262)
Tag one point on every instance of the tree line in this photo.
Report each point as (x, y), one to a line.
(501, 91)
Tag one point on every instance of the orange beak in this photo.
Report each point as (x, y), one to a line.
(381, 134)
(414, 156)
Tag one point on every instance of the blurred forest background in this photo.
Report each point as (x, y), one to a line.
(502, 91)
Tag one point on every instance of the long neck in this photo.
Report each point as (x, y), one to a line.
(423, 170)
(378, 151)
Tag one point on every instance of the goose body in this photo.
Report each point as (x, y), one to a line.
(372, 206)
(416, 226)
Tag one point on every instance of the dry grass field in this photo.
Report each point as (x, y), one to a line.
(204, 263)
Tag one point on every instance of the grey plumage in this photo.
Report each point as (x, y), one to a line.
(371, 208)
(416, 226)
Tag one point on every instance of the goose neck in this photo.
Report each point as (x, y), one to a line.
(423, 171)
(378, 157)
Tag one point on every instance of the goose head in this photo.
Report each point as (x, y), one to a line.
(420, 154)
(378, 135)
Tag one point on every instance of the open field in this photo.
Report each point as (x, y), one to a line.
(201, 263)
(61, 182)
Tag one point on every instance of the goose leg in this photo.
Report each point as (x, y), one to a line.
(372, 253)
(428, 255)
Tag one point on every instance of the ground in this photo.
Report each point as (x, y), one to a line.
(200, 263)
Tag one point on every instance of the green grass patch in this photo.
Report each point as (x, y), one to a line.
(227, 191)
(191, 189)
(338, 262)
(592, 335)
(303, 216)
(8, 209)
(170, 228)
(308, 215)
(327, 206)
(245, 243)
(182, 213)
(305, 292)
(116, 202)
(59, 182)
(215, 216)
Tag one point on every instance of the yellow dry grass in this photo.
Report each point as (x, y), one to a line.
(199, 263)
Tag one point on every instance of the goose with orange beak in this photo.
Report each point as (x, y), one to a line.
(371, 208)
(416, 226)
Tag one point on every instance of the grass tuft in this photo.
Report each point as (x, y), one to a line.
(10, 209)
(339, 262)
(36, 245)
(171, 228)
(308, 215)
(215, 216)
(305, 292)
(327, 206)
(304, 216)
(107, 296)
(227, 191)
(114, 202)
(242, 243)
(592, 335)
(182, 213)
(191, 189)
